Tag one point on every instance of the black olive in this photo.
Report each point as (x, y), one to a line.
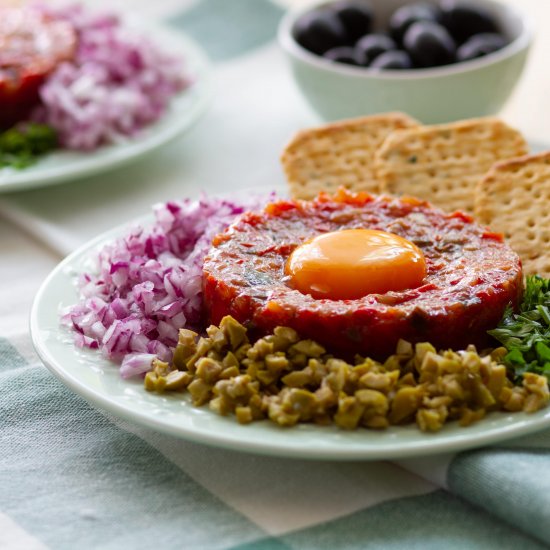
(464, 19)
(429, 44)
(396, 59)
(405, 16)
(480, 45)
(356, 16)
(341, 54)
(371, 46)
(320, 30)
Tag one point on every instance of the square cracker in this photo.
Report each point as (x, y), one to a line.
(442, 164)
(514, 199)
(338, 154)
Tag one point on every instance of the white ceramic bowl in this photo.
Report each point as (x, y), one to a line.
(463, 90)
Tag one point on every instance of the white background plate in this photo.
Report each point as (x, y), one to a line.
(97, 380)
(184, 110)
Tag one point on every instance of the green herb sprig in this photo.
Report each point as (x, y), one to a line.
(526, 334)
(21, 145)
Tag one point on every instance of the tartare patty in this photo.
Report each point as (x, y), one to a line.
(472, 275)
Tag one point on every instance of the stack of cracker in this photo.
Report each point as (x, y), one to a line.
(442, 164)
(514, 199)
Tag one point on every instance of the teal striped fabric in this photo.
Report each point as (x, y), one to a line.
(72, 477)
(511, 483)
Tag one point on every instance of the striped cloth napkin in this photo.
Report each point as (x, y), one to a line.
(74, 477)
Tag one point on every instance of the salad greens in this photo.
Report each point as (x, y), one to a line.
(21, 145)
(526, 334)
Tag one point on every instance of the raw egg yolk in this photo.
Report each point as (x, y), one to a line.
(349, 264)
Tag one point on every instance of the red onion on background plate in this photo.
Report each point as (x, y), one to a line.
(118, 83)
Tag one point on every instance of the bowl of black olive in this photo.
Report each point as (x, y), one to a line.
(438, 60)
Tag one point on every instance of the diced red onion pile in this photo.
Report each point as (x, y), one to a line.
(118, 83)
(148, 284)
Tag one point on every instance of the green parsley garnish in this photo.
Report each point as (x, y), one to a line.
(526, 334)
(20, 146)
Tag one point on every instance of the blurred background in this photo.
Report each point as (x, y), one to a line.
(526, 108)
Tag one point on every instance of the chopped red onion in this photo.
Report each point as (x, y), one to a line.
(135, 364)
(118, 83)
(148, 284)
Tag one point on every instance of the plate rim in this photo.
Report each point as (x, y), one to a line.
(200, 93)
(430, 444)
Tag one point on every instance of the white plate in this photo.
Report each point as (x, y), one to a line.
(97, 380)
(184, 110)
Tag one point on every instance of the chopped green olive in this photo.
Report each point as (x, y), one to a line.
(289, 380)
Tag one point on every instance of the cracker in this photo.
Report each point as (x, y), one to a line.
(338, 154)
(442, 164)
(513, 199)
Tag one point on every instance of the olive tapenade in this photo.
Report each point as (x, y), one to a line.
(291, 380)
